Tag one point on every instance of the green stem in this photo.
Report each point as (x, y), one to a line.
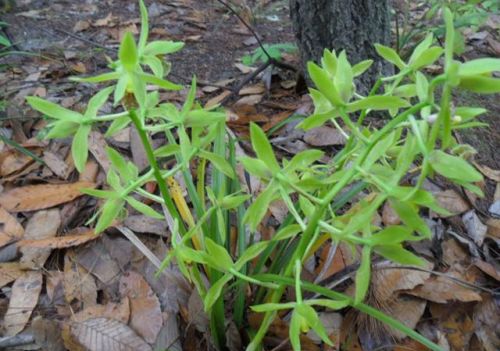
(156, 170)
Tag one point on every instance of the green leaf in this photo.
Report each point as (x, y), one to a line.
(120, 88)
(408, 213)
(215, 292)
(167, 150)
(377, 102)
(97, 101)
(79, 147)
(128, 53)
(312, 319)
(391, 235)
(259, 207)
(118, 163)
(61, 129)
(162, 47)
(479, 66)
(480, 84)
(143, 208)
(294, 331)
(344, 77)
(306, 206)
(390, 55)
(266, 307)
(118, 124)
(250, 253)
(304, 158)
(102, 194)
(203, 118)
(453, 167)
(53, 110)
(363, 275)
(110, 211)
(324, 84)
(219, 162)
(421, 48)
(113, 180)
(422, 85)
(255, 167)
(143, 37)
(331, 304)
(263, 148)
(154, 64)
(329, 62)
(162, 83)
(188, 104)
(398, 254)
(359, 68)
(317, 119)
(222, 259)
(97, 79)
(138, 88)
(427, 58)
(233, 201)
(287, 232)
(468, 113)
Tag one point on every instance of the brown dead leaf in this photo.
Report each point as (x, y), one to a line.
(97, 147)
(117, 311)
(451, 201)
(42, 225)
(388, 279)
(81, 25)
(407, 310)
(103, 21)
(47, 334)
(10, 229)
(389, 216)
(253, 89)
(486, 322)
(95, 258)
(61, 242)
(54, 285)
(79, 284)
(493, 228)
(249, 100)
(243, 68)
(139, 156)
(12, 161)
(104, 334)
(145, 312)
(90, 172)
(56, 164)
(324, 136)
(37, 197)
(456, 322)
(476, 230)
(146, 224)
(343, 257)
(217, 99)
(439, 289)
(24, 298)
(9, 271)
(488, 172)
(488, 268)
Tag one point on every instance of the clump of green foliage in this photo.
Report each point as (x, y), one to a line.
(336, 201)
(275, 51)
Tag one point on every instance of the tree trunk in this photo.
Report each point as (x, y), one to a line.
(351, 25)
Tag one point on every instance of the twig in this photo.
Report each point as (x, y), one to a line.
(77, 37)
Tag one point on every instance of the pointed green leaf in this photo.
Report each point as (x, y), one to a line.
(96, 102)
(128, 53)
(377, 103)
(259, 207)
(390, 55)
(61, 129)
(360, 68)
(263, 148)
(398, 254)
(219, 162)
(79, 147)
(408, 213)
(363, 275)
(117, 125)
(215, 291)
(97, 79)
(480, 84)
(453, 167)
(286, 232)
(143, 208)
(479, 66)
(167, 150)
(143, 37)
(162, 83)
(255, 167)
(219, 254)
(110, 211)
(53, 110)
(250, 253)
(162, 47)
(324, 84)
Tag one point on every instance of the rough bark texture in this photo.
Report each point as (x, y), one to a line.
(351, 25)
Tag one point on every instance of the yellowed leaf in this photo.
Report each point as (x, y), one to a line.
(24, 298)
(37, 197)
(145, 311)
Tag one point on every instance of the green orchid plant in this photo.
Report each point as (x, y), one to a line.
(214, 224)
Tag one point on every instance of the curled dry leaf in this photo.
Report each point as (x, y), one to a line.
(37, 197)
(43, 225)
(24, 298)
(145, 312)
(324, 136)
(10, 229)
(60, 242)
(103, 334)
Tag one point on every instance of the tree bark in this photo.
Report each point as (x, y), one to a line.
(351, 25)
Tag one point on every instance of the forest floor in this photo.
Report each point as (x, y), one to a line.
(55, 273)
